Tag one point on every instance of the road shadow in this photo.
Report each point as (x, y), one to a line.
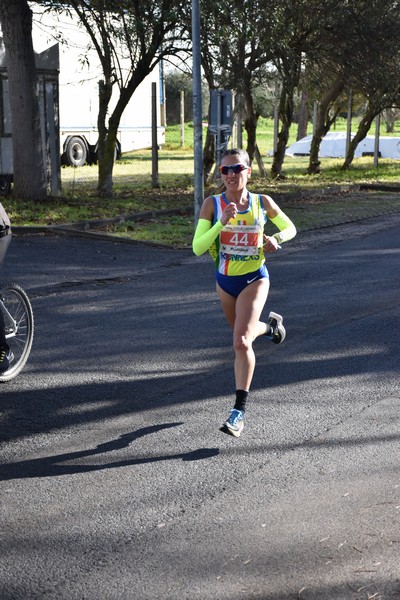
(52, 466)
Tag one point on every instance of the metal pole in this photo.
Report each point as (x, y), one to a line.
(376, 145)
(197, 112)
(276, 116)
(218, 137)
(234, 124)
(182, 110)
(349, 111)
(154, 151)
(239, 134)
(315, 115)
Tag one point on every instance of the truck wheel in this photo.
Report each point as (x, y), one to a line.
(76, 152)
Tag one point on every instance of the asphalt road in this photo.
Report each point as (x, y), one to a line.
(116, 482)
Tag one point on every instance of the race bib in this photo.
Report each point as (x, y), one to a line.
(243, 240)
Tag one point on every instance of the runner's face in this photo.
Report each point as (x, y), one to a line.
(231, 179)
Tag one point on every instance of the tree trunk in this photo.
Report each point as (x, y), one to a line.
(286, 118)
(323, 124)
(28, 158)
(104, 156)
(106, 165)
(362, 131)
(289, 69)
(390, 119)
(250, 123)
(208, 156)
(260, 164)
(303, 116)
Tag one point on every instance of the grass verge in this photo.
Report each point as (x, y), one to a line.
(133, 193)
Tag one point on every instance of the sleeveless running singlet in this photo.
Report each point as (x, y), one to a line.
(239, 247)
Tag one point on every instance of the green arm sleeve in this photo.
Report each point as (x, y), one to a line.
(205, 235)
(286, 227)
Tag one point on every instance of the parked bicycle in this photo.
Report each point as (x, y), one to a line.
(19, 326)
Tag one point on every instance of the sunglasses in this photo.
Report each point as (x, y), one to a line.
(234, 168)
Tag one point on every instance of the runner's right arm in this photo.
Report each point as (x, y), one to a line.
(205, 232)
(205, 235)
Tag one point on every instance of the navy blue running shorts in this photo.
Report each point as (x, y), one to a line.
(234, 284)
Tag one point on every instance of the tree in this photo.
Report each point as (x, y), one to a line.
(303, 115)
(130, 39)
(244, 45)
(376, 102)
(300, 31)
(376, 74)
(289, 69)
(235, 56)
(390, 116)
(176, 82)
(329, 107)
(361, 53)
(28, 164)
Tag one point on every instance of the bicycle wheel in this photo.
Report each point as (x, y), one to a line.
(19, 326)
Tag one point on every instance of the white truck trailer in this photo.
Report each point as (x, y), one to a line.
(80, 72)
(68, 74)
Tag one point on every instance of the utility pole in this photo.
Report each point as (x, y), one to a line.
(197, 112)
(276, 115)
(349, 115)
(154, 142)
(182, 114)
(376, 144)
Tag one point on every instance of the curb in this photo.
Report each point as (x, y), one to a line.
(82, 228)
(74, 232)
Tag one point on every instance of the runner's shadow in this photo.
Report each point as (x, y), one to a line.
(52, 466)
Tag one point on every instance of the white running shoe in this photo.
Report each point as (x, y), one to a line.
(276, 332)
(235, 423)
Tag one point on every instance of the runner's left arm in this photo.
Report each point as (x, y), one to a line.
(287, 229)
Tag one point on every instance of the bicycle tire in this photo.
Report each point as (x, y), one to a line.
(20, 336)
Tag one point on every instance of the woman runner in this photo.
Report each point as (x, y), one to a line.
(231, 228)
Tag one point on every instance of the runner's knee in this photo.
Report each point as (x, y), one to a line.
(242, 343)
